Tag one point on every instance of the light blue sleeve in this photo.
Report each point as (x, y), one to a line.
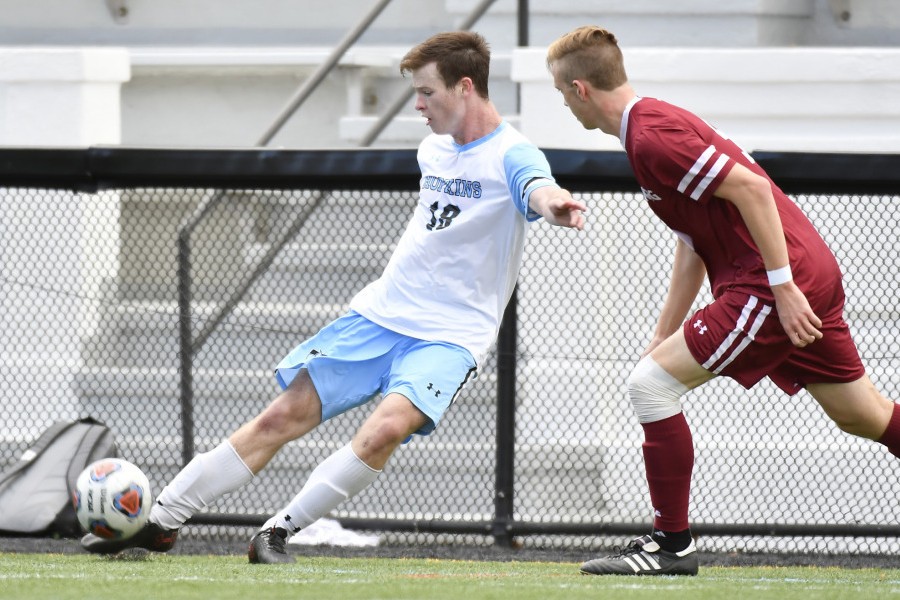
(522, 163)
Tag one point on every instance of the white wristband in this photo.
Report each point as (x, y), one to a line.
(779, 276)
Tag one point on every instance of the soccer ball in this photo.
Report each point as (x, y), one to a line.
(112, 499)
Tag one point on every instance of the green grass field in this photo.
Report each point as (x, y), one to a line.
(52, 576)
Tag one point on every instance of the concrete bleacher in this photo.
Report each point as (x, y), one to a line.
(216, 74)
(189, 70)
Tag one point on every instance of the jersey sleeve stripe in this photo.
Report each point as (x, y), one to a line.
(709, 177)
(695, 169)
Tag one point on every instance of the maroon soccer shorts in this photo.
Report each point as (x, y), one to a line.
(739, 336)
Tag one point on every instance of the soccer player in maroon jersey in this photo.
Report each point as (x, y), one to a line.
(778, 297)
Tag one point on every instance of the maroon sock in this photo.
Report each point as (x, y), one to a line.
(891, 435)
(669, 461)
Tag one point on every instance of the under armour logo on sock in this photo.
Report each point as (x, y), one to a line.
(290, 526)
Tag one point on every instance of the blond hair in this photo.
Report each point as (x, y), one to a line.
(589, 53)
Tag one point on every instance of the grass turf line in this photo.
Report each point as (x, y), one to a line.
(32, 576)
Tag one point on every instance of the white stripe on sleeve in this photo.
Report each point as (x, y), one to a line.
(695, 169)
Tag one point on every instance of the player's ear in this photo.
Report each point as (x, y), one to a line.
(465, 85)
(580, 89)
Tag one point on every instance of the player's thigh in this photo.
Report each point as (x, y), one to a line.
(856, 407)
(676, 359)
(431, 375)
(296, 409)
(292, 413)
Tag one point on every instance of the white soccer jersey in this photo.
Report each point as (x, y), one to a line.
(455, 267)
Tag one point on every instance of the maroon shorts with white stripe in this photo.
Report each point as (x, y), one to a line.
(739, 336)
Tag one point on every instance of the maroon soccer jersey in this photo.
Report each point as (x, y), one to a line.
(679, 161)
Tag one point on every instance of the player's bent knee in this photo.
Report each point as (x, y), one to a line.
(655, 395)
(382, 433)
(858, 426)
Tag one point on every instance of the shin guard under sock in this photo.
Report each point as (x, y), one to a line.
(669, 460)
(340, 476)
(205, 479)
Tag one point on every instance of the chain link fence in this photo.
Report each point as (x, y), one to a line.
(157, 294)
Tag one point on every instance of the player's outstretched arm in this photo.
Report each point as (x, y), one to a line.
(558, 207)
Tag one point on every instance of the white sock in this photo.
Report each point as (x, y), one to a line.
(205, 479)
(340, 476)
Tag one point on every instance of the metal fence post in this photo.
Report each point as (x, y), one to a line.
(186, 350)
(504, 500)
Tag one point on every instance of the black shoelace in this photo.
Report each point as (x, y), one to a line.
(276, 542)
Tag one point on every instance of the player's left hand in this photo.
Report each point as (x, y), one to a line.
(571, 214)
(558, 207)
(797, 318)
(566, 212)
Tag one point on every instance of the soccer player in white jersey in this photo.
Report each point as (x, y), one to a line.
(778, 308)
(415, 335)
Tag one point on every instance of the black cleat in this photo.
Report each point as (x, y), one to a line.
(267, 547)
(643, 556)
(150, 537)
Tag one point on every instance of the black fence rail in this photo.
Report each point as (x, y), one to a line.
(154, 289)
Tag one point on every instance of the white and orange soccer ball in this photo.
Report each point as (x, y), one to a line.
(112, 498)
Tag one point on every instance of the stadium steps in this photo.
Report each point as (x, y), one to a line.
(138, 334)
(451, 472)
(133, 399)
